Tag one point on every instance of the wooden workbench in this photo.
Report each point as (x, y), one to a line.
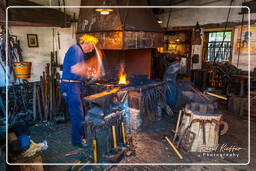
(242, 79)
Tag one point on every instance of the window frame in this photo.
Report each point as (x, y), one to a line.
(205, 44)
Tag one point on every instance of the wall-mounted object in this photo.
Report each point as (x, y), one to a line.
(22, 69)
(195, 59)
(32, 40)
(196, 36)
(241, 40)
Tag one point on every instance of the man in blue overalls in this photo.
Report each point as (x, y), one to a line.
(72, 78)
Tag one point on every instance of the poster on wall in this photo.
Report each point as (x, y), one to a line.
(242, 40)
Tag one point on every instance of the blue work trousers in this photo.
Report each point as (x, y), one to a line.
(72, 95)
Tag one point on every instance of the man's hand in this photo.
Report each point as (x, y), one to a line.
(79, 68)
(89, 69)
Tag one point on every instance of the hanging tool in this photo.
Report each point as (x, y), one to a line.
(51, 93)
(240, 43)
(64, 11)
(58, 34)
(56, 59)
(74, 21)
(168, 20)
(53, 35)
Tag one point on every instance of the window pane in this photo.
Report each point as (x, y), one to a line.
(219, 47)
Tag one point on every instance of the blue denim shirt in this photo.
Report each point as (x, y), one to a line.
(73, 56)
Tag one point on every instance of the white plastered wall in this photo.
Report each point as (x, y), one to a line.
(40, 56)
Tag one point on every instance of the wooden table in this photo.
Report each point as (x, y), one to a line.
(242, 79)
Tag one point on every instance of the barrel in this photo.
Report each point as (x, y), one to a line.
(22, 69)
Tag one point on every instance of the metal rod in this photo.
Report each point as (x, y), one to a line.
(94, 146)
(240, 43)
(123, 132)
(174, 148)
(53, 40)
(177, 125)
(114, 135)
(34, 101)
(218, 96)
(77, 162)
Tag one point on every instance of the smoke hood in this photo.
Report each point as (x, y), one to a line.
(123, 28)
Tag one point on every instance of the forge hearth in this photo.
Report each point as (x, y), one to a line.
(126, 36)
(136, 62)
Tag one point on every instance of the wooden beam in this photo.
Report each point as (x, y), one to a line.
(210, 26)
(34, 16)
(31, 24)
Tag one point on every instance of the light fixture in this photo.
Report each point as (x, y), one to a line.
(159, 21)
(104, 11)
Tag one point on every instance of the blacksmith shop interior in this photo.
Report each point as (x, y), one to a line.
(127, 85)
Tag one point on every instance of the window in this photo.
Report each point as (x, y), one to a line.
(219, 48)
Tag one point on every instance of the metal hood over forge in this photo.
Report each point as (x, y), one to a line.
(123, 28)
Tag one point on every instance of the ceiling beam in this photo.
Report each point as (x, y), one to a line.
(33, 16)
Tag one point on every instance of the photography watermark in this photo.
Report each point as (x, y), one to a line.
(222, 151)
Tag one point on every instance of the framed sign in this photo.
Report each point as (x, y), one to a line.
(242, 40)
(32, 40)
